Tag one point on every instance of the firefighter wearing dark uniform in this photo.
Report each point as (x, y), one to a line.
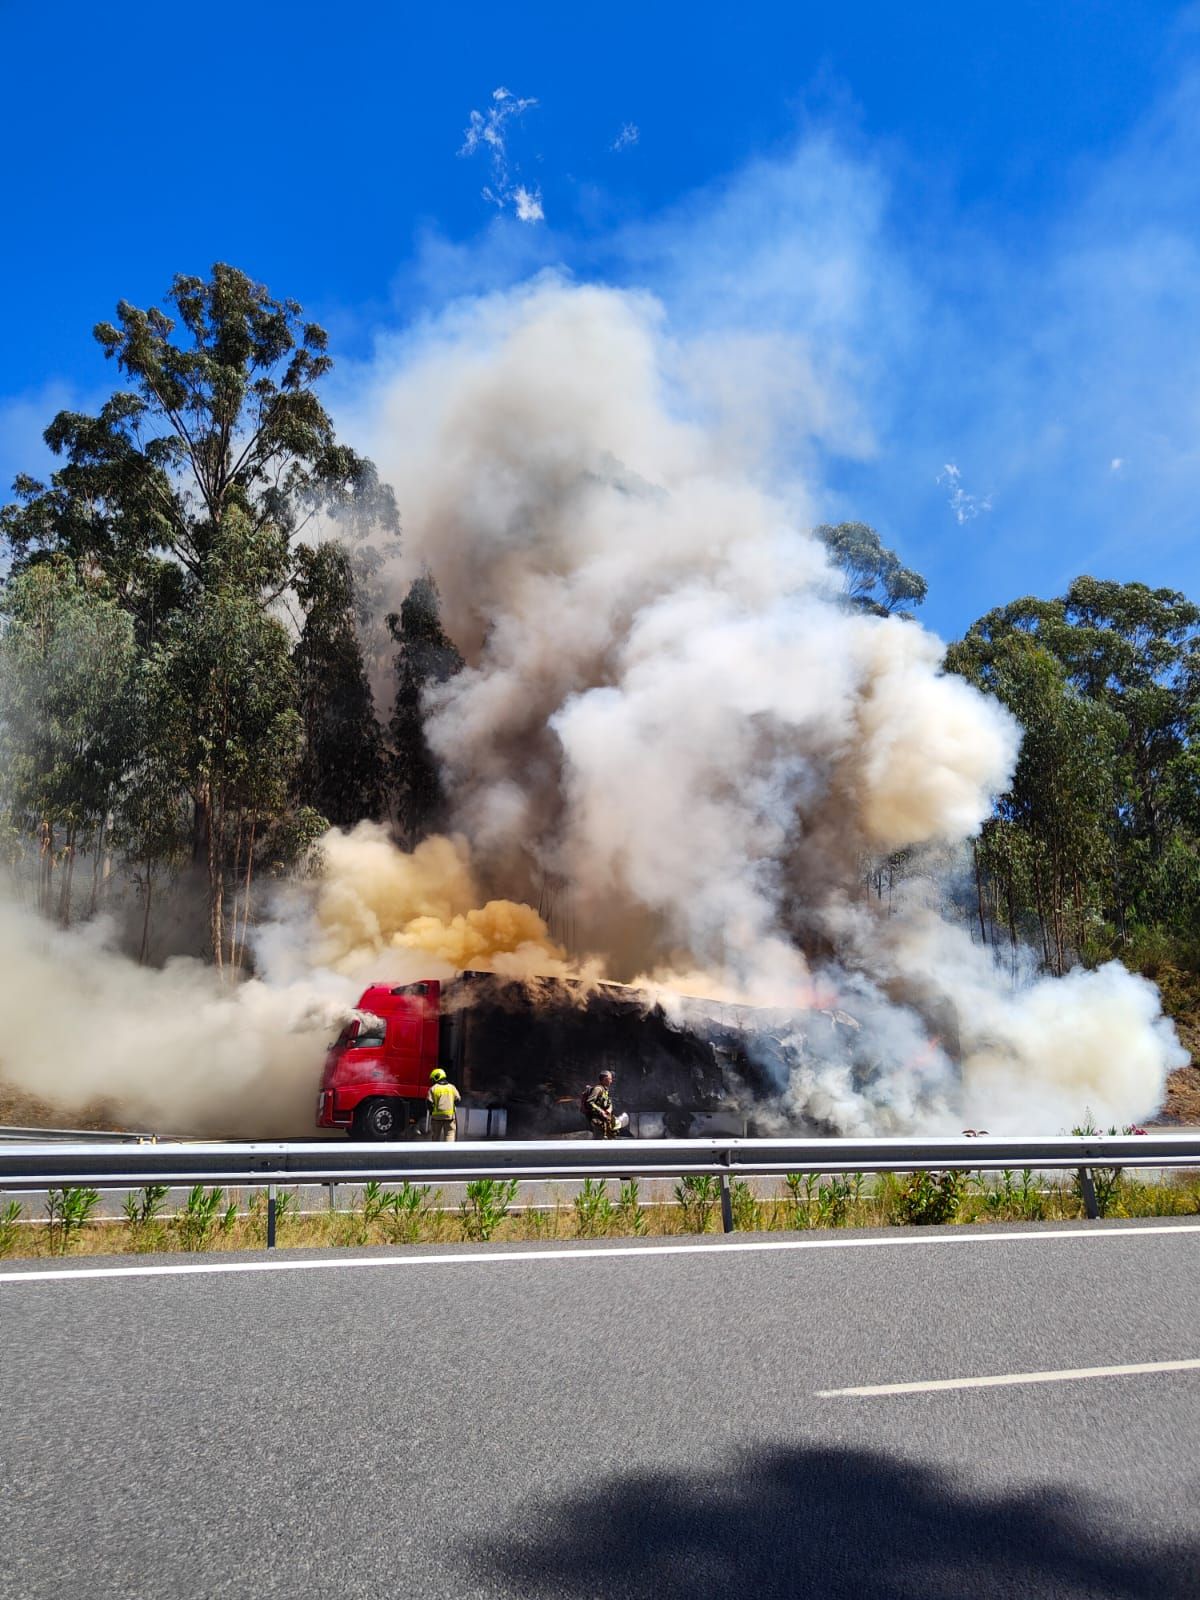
(443, 1097)
(599, 1107)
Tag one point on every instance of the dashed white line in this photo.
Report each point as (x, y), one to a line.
(1010, 1379)
(499, 1256)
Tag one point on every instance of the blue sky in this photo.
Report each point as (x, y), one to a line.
(965, 239)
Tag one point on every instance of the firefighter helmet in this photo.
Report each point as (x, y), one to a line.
(437, 1075)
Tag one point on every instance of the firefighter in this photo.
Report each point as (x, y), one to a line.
(598, 1108)
(443, 1097)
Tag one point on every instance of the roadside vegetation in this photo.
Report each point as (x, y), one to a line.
(494, 1210)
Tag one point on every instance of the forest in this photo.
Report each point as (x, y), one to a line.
(191, 626)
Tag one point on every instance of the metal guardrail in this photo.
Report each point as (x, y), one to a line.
(128, 1166)
(9, 1135)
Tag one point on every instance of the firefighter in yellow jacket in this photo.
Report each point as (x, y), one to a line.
(443, 1097)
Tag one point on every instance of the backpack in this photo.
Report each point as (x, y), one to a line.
(583, 1101)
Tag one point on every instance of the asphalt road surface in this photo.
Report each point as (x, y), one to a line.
(595, 1421)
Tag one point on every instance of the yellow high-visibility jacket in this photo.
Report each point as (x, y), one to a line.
(443, 1097)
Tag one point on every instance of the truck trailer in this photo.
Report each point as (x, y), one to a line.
(522, 1052)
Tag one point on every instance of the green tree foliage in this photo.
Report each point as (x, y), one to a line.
(182, 506)
(230, 666)
(425, 657)
(876, 580)
(343, 771)
(1097, 837)
(66, 677)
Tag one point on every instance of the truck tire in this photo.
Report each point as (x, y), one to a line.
(381, 1119)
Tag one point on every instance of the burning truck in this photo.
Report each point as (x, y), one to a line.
(521, 1052)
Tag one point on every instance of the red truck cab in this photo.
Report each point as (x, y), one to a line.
(376, 1076)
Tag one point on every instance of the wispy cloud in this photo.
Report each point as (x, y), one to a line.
(865, 331)
(528, 203)
(964, 506)
(488, 131)
(629, 135)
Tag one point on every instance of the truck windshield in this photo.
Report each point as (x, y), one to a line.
(365, 1035)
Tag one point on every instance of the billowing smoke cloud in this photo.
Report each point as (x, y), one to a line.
(666, 709)
(172, 1051)
(670, 736)
(180, 1051)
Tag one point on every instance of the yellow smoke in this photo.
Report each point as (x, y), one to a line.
(378, 907)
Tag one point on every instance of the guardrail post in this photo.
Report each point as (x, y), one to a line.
(270, 1216)
(726, 1204)
(1088, 1190)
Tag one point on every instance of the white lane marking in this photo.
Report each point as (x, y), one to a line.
(1009, 1379)
(497, 1257)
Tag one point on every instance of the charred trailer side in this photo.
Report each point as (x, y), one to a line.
(532, 1047)
(521, 1054)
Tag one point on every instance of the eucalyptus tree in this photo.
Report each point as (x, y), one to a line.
(188, 498)
(1131, 653)
(875, 579)
(425, 657)
(342, 774)
(67, 660)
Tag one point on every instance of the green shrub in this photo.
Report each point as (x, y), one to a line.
(801, 1188)
(142, 1208)
(823, 1203)
(698, 1195)
(486, 1205)
(743, 1205)
(629, 1210)
(406, 1208)
(836, 1199)
(67, 1211)
(1014, 1198)
(10, 1226)
(204, 1210)
(929, 1198)
(593, 1209)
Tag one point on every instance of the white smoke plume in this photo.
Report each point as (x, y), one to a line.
(670, 730)
(666, 709)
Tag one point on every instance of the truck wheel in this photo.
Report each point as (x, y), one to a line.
(381, 1119)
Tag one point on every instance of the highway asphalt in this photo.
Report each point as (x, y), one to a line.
(640, 1421)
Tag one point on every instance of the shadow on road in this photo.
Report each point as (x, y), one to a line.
(833, 1524)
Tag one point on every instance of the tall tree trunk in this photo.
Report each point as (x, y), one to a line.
(1012, 915)
(68, 878)
(216, 887)
(201, 824)
(979, 890)
(45, 865)
(240, 953)
(97, 853)
(144, 952)
(235, 879)
(1040, 896)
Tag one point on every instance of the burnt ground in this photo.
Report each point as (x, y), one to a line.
(1181, 1001)
(1183, 1086)
(20, 1110)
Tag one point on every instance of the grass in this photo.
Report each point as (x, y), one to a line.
(213, 1220)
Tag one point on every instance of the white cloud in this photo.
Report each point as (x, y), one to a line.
(489, 131)
(1116, 463)
(528, 203)
(629, 135)
(964, 506)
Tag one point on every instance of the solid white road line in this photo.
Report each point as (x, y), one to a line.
(1010, 1379)
(499, 1256)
